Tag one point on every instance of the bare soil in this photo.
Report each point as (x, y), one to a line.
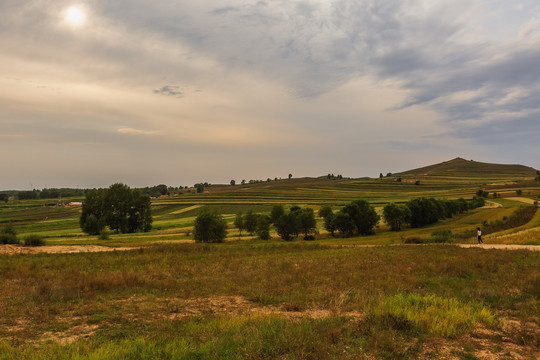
(61, 249)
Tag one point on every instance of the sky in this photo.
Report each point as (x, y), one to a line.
(178, 92)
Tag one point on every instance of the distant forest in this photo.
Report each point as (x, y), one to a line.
(53, 193)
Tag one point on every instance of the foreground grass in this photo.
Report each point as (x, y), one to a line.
(167, 301)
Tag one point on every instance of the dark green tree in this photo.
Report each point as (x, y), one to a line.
(263, 227)
(396, 215)
(330, 223)
(4, 197)
(119, 207)
(277, 211)
(305, 219)
(324, 211)
(250, 222)
(239, 223)
(363, 216)
(233, 182)
(209, 227)
(343, 223)
(286, 226)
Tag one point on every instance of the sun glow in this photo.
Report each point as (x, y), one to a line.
(75, 16)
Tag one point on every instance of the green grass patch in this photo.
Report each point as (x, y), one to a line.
(434, 315)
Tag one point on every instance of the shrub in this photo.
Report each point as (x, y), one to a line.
(105, 234)
(8, 235)
(33, 240)
(413, 240)
(441, 236)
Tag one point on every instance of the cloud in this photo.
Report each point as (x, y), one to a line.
(137, 132)
(169, 90)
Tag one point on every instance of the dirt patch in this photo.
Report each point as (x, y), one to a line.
(491, 205)
(61, 249)
(175, 309)
(522, 199)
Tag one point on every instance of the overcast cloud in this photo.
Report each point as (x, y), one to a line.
(178, 92)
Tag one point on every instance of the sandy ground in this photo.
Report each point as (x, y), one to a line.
(522, 199)
(63, 249)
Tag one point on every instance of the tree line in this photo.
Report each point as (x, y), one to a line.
(354, 219)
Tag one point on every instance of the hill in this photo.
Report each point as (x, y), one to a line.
(459, 167)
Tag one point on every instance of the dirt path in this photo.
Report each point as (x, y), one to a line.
(522, 199)
(484, 246)
(501, 246)
(62, 249)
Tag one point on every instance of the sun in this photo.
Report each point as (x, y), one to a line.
(75, 16)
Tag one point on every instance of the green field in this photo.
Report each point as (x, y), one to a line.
(332, 298)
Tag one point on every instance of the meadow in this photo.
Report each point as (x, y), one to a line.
(370, 297)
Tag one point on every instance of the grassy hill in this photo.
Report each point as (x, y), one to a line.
(459, 167)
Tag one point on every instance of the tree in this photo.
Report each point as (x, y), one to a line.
(381, 176)
(250, 222)
(118, 202)
(209, 227)
(286, 226)
(277, 211)
(200, 188)
(343, 223)
(4, 197)
(363, 216)
(330, 223)
(324, 211)
(119, 207)
(93, 218)
(290, 176)
(239, 223)
(396, 215)
(243, 182)
(263, 227)
(305, 219)
(233, 182)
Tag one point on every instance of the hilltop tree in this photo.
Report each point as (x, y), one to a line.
(290, 176)
(233, 182)
(209, 227)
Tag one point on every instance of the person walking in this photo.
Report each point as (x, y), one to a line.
(479, 234)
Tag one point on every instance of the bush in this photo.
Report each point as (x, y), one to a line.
(8, 235)
(441, 236)
(413, 240)
(33, 240)
(105, 234)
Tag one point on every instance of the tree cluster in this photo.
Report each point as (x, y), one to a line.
(156, 191)
(254, 224)
(120, 208)
(356, 218)
(428, 211)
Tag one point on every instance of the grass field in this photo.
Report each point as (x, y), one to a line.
(170, 298)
